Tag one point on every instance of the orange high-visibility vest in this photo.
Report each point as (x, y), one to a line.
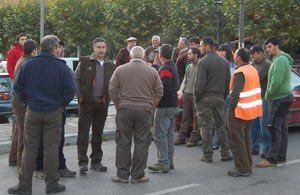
(250, 104)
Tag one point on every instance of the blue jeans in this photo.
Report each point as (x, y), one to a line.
(163, 135)
(260, 128)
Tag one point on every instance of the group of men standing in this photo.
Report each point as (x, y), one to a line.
(146, 97)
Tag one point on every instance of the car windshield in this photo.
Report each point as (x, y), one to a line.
(295, 81)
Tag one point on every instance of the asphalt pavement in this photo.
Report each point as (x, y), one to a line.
(190, 176)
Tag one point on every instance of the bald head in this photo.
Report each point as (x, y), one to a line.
(137, 52)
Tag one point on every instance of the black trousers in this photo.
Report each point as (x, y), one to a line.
(278, 111)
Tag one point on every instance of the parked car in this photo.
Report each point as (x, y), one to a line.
(3, 67)
(294, 112)
(6, 111)
(72, 62)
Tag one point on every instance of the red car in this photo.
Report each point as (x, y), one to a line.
(294, 113)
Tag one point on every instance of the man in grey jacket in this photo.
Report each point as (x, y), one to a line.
(211, 88)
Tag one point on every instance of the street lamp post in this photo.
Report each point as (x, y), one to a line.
(218, 11)
(242, 33)
(42, 20)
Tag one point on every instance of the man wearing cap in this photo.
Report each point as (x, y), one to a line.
(123, 55)
(260, 124)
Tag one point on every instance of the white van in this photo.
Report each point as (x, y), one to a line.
(72, 62)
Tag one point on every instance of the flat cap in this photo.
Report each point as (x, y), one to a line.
(131, 39)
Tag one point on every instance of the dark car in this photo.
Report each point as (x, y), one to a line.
(6, 111)
(294, 112)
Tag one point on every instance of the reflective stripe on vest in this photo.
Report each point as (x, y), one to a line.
(250, 104)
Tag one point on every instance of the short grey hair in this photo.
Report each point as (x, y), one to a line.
(97, 40)
(49, 43)
(184, 41)
(156, 36)
(137, 52)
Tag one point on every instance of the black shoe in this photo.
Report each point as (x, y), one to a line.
(12, 164)
(263, 155)
(98, 167)
(57, 188)
(17, 190)
(238, 174)
(255, 152)
(83, 169)
(207, 160)
(66, 173)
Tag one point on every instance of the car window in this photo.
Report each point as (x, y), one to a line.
(4, 89)
(295, 81)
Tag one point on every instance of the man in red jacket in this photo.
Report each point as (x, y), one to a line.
(123, 55)
(14, 54)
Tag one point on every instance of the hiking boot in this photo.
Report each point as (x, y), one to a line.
(226, 158)
(238, 174)
(207, 160)
(66, 172)
(18, 190)
(255, 152)
(119, 179)
(159, 167)
(57, 188)
(179, 140)
(98, 167)
(83, 169)
(265, 164)
(39, 174)
(142, 179)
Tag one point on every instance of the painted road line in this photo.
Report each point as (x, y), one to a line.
(289, 163)
(174, 189)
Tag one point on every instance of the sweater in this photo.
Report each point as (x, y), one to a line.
(13, 55)
(135, 83)
(169, 78)
(279, 77)
(44, 83)
(262, 68)
(122, 57)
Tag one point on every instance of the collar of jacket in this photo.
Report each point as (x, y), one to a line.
(47, 55)
(93, 57)
(245, 64)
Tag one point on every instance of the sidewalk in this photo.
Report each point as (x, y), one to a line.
(71, 131)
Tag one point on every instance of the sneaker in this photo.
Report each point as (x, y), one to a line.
(17, 190)
(39, 174)
(98, 167)
(179, 141)
(119, 179)
(281, 161)
(265, 164)
(226, 158)
(207, 160)
(12, 164)
(142, 179)
(66, 172)
(191, 144)
(215, 147)
(255, 152)
(83, 169)
(57, 188)
(238, 174)
(159, 167)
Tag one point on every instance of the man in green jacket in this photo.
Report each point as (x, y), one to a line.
(280, 97)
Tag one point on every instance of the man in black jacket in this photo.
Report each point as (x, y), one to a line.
(211, 88)
(165, 114)
(93, 74)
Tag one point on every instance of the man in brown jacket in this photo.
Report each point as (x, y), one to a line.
(135, 89)
(123, 54)
(93, 74)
